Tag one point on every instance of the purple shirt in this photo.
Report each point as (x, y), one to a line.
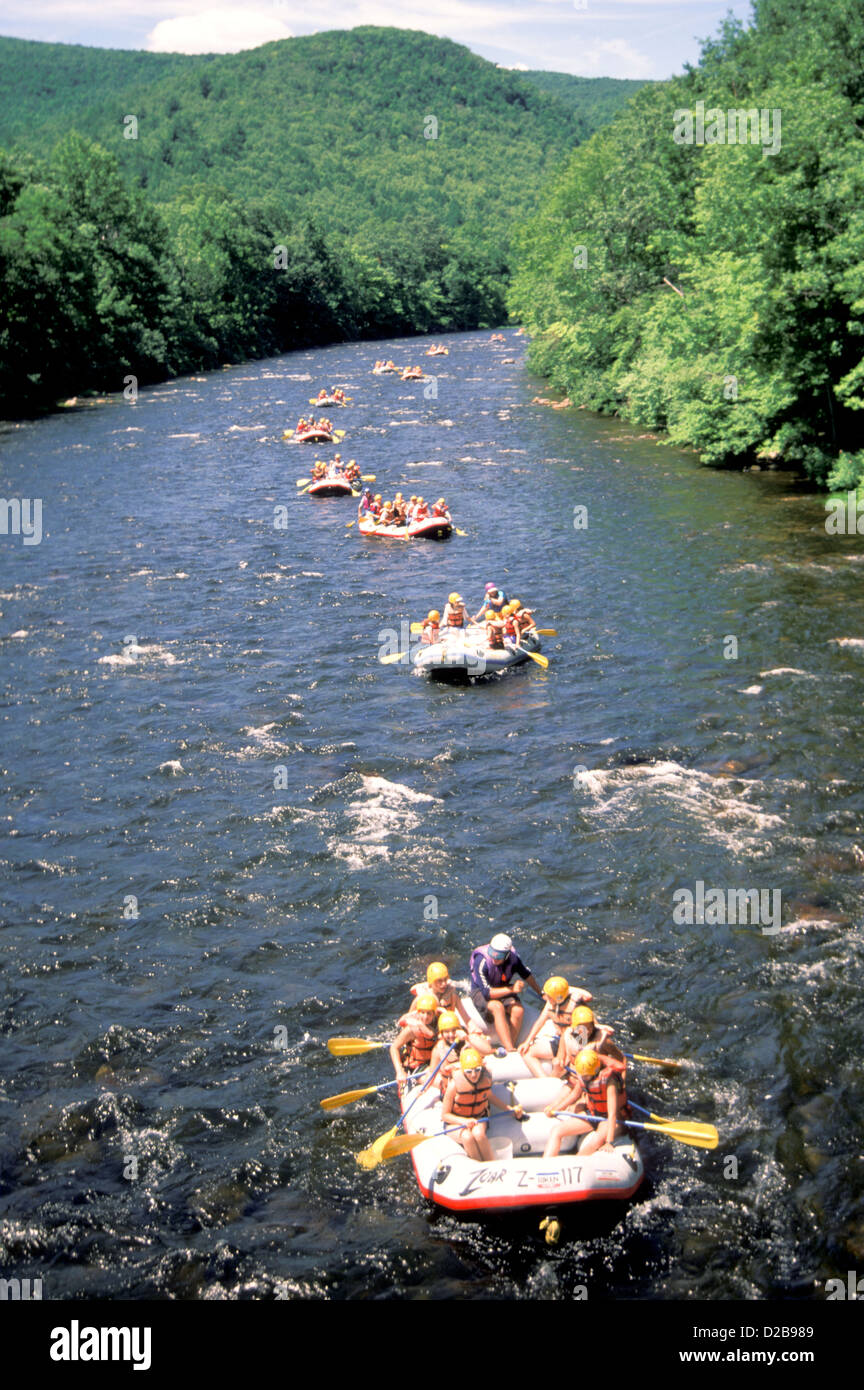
(488, 974)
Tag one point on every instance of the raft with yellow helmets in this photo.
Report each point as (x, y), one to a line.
(431, 528)
(464, 653)
(517, 1177)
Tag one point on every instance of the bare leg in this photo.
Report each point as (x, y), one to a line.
(562, 1128)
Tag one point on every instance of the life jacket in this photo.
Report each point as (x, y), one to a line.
(495, 636)
(456, 617)
(446, 1001)
(595, 1089)
(430, 631)
(418, 1050)
(470, 1101)
(450, 1063)
(562, 1012)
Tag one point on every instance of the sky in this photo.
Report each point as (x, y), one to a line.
(591, 38)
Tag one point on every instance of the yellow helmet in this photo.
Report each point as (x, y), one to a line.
(589, 1062)
(580, 1016)
(556, 987)
(435, 617)
(426, 1004)
(469, 1058)
(454, 598)
(447, 1019)
(515, 605)
(437, 970)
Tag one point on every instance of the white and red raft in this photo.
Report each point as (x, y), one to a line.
(518, 1177)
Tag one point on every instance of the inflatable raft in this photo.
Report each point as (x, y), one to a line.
(463, 654)
(330, 487)
(311, 437)
(518, 1177)
(432, 528)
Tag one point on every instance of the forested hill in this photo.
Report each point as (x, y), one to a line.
(339, 122)
(162, 213)
(700, 269)
(594, 99)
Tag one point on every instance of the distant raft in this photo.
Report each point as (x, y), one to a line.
(431, 528)
(313, 436)
(330, 487)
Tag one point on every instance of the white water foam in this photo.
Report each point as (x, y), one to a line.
(386, 809)
(130, 656)
(622, 792)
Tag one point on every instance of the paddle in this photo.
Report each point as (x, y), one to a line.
(352, 1047)
(655, 1061)
(698, 1140)
(548, 631)
(535, 656)
(346, 1097)
(303, 482)
(393, 656)
(349, 524)
(368, 477)
(371, 1157)
(691, 1126)
(458, 532)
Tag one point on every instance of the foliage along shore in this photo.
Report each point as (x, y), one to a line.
(715, 290)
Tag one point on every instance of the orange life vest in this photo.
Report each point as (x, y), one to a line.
(456, 618)
(418, 1050)
(595, 1089)
(450, 1063)
(471, 1101)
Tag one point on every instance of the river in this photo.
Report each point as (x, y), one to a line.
(231, 833)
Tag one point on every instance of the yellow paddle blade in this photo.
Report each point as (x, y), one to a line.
(685, 1135)
(657, 1061)
(548, 631)
(301, 482)
(695, 1127)
(402, 1144)
(371, 1157)
(537, 656)
(346, 1097)
(416, 627)
(368, 477)
(458, 532)
(393, 656)
(349, 524)
(351, 1047)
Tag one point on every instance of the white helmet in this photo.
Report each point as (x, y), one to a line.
(501, 943)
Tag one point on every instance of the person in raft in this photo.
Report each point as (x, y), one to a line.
(466, 1103)
(543, 1042)
(431, 625)
(495, 629)
(598, 1087)
(494, 992)
(584, 1031)
(455, 612)
(417, 1037)
(364, 506)
(451, 1040)
(439, 984)
(495, 598)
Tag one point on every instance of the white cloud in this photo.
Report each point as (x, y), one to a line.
(217, 31)
(611, 58)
